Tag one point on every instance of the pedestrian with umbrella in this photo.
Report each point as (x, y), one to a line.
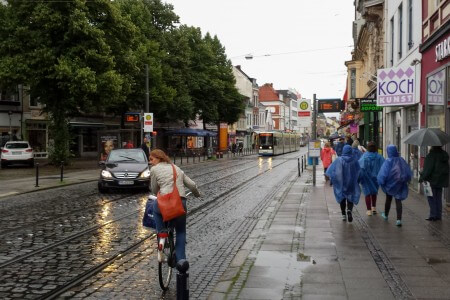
(436, 166)
(344, 176)
(393, 178)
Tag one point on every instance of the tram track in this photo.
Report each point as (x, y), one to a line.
(96, 227)
(44, 220)
(99, 267)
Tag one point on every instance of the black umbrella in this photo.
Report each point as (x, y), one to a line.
(427, 137)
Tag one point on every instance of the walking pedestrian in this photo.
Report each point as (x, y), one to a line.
(326, 155)
(162, 181)
(370, 164)
(356, 150)
(393, 178)
(344, 175)
(340, 145)
(436, 172)
(349, 140)
(145, 148)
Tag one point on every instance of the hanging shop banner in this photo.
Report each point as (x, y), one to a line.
(435, 88)
(395, 86)
(148, 122)
(314, 148)
(369, 105)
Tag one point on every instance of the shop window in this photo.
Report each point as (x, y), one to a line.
(436, 100)
(89, 140)
(37, 136)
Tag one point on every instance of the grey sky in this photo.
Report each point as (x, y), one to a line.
(264, 27)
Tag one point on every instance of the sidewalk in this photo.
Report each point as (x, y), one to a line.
(301, 249)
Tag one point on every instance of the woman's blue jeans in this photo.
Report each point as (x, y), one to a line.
(435, 203)
(180, 229)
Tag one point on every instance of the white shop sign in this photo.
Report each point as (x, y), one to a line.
(443, 49)
(396, 86)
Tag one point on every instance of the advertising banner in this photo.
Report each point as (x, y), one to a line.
(314, 148)
(395, 86)
(369, 105)
(148, 122)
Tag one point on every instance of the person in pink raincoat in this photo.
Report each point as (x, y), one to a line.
(326, 155)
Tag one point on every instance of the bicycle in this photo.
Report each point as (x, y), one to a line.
(166, 253)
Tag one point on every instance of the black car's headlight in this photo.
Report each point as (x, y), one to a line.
(145, 174)
(106, 174)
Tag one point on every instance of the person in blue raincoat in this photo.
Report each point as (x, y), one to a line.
(393, 178)
(356, 149)
(344, 174)
(370, 164)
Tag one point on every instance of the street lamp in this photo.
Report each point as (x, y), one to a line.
(10, 127)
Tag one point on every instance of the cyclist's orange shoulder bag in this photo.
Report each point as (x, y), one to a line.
(170, 204)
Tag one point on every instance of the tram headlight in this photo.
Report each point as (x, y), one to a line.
(270, 147)
(260, 147)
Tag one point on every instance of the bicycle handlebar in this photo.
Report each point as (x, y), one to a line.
(153, 197)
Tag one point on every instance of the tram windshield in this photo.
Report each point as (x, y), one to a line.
(266, 139)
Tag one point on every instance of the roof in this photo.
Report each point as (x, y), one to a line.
(268, 93)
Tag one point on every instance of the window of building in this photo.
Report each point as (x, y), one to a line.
(410, 25)
(392, 41)
(8, 95)
(34, 100)
(353, 83)
(400, 30)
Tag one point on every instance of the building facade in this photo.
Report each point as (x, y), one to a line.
(435, 71)
(274, 103)
(403, 38)
(367, 57)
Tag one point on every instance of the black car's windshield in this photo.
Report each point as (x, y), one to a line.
(127, 156)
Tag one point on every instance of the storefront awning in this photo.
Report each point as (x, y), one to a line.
(86, 124)
(191, 132)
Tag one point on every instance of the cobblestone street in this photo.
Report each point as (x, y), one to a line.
(68, 232)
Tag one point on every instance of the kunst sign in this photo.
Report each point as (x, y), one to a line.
(435, 88)
(395, 86)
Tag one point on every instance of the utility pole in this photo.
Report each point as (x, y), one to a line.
(314, 134)
(147, 104)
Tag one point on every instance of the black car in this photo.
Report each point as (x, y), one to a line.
(125, 168)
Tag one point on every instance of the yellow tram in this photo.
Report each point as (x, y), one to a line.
(276, 142)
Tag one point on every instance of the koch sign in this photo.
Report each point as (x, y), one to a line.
(435, 88)
(148, 122)
(395, 86)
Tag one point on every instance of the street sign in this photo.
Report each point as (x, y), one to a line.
(304, 113)
(369, 105)
(329, 105)
(148, 122)
(314, 148)
(132, 117)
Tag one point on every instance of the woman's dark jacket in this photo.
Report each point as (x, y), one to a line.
(436, 168)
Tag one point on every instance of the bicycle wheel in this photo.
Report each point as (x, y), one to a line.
(164, 270)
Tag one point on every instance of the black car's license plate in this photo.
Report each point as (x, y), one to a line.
(126, 182)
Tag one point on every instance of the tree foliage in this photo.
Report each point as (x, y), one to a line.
(89, 56)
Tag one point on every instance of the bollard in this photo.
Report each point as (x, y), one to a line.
(174, 159)
(302, 164)
(298, 166)
(37, 175)
(182, 280)
(62, 171)
(181, 157)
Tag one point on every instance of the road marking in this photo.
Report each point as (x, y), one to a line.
(8, 194)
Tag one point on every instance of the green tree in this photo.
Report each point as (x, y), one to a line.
(62, 50)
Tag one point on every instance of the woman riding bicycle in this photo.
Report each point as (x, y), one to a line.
(161, 176)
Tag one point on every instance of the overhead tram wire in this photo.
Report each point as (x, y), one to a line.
(250, 56)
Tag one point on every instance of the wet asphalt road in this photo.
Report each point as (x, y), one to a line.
(50, 238)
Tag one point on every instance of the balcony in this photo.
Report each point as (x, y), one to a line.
(435, 20)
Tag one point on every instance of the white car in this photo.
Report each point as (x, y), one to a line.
(18, 152)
